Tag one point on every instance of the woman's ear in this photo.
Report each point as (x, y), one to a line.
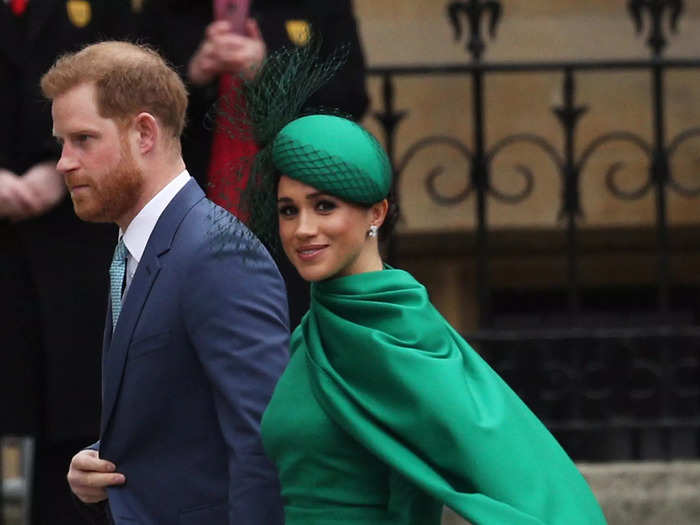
(147, 130)
(378, 212)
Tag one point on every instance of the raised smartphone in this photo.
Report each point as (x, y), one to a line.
(235, 11)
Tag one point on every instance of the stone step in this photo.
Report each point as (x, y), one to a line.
(639, 493)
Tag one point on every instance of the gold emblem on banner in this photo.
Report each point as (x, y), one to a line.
(79, 12)
(299, 31)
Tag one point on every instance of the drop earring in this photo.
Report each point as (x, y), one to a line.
(372, 233)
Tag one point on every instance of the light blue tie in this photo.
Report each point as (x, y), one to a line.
(116, 279)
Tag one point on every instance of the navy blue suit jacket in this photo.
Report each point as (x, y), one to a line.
(199, 345)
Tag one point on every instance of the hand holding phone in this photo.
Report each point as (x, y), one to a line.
(234, 11)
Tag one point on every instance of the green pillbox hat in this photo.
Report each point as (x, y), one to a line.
(334, 155)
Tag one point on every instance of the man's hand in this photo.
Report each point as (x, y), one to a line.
(89, 476)
(223, 51)
(35, 193)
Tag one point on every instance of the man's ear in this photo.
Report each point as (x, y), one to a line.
(147, 132)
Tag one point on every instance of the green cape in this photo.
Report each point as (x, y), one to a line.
(388, 368)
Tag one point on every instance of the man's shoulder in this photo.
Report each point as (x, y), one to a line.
(213, 229)
(213, 217)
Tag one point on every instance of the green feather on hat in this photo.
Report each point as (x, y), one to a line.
(329, 152)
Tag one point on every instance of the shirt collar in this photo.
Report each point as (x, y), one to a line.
(139, 230)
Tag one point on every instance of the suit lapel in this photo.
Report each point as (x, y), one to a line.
(117, 343)
(106, 339)
(114, 358)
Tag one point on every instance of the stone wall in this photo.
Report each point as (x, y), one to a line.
(417, 31)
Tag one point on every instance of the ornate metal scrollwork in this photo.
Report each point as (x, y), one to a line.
(525, 171)
(610, 180)
(672, 147)
(596, 388)
(559, 380)
(685, 378)
(474, 10)
(655, 8)
(645, 379)
(438, 171)
(528, 176)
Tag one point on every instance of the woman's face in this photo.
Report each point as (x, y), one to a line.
(324, 236)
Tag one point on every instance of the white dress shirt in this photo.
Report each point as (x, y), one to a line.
(139, 230)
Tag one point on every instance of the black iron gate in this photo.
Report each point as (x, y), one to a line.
(607, 393)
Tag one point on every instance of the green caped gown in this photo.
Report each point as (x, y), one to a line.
(385, 413)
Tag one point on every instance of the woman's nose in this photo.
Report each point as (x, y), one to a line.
(307, 225)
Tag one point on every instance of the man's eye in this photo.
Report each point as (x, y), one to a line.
(80, 140)
(287, 211)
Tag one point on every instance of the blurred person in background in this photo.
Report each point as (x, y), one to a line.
(212, 45)
(52, 278)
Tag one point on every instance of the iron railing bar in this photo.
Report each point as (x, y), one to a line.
(626, 424)
(520, 67)
(583, 333)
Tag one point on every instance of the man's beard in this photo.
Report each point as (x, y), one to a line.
(117, 193)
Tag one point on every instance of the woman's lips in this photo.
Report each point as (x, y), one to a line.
(309, 253)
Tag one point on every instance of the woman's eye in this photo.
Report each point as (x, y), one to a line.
(325, 206)
(287, 211)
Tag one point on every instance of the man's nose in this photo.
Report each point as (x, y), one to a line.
(67, 162)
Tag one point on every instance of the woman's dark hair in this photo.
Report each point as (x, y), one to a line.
(392, 216)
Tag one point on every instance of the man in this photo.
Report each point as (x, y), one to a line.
(210, 55)
(196, 330)
(52, 265)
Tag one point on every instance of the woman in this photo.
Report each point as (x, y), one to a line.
(385, 413)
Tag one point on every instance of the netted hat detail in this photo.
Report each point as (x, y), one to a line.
(334, 155)
(322, 149)
(260, 107)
